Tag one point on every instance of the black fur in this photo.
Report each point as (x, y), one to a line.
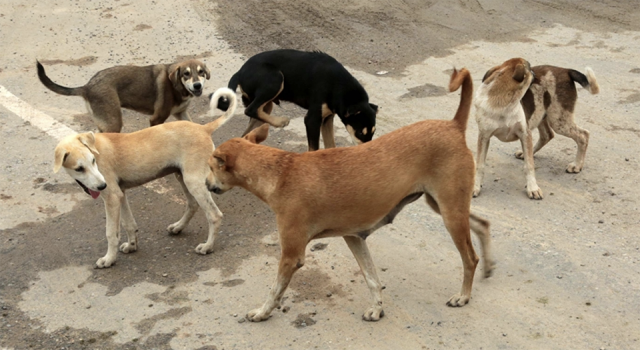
(310, 80)
(579, 78)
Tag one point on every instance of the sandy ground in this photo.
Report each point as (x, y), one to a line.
(568, 274)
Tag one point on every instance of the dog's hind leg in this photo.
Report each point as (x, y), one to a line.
(563, 123)
(195, 184)
(105, 111)
(256, 123)
(480, 227)
(292, 244)
(112, 201)
(192, 208)
(328, 132)
(271, 87)
(129, 225)
(546, 135)
(360, 251)
(313, 124)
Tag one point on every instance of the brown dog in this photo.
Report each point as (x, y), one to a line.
(158, 90)
(350, 192)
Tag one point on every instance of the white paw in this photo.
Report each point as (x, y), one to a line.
(175, 228)
(128, 247)
(105, 262)
(374, 313)
(458, 300)
(204, 248)
(519, 155)
(476, 191)
(535, 193)
(281, 122)
(573, 168)
(257, 315)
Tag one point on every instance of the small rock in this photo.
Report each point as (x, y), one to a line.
(285, 309)
(235, 315)
(241, 320)
(384, 269)
(318, 246)
(559, 277)
(606, 254)
(164, 275)
(588, 303)
(601, 221)
(626, 159)
(329, 295)
(382, 72)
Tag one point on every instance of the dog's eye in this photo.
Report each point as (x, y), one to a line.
(201, 72)
(94, 161)
(186, 74)
(80, 169)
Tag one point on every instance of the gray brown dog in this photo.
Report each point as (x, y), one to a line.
(351, 192)
(107, 164)
(159, 90)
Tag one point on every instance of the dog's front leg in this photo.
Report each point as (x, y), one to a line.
(129, 225)
(112, 208)
(533, 191)
(483, 147)
(313, 123)
(360, 251)
(292, 258)
(184, 115)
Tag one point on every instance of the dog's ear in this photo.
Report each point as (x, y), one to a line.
(89, 140)
(518, 73)
(259, 134)
(223, 161)
(174, 73)
(60, 156)
(489, 73)
(374, 107)
(207, 72)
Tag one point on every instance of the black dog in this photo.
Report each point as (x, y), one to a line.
(312, 80)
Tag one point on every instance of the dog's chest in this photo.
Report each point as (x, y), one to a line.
(181, 107)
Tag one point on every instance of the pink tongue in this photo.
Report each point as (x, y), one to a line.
(94, 194)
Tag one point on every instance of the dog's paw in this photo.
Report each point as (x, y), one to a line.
(175, 228)
(476, 191)
(128, 247)
(281, 122)
(535, 193)
(489, 266)
(458, 300)
(204, 248)
(519, 155)
(373, 314)
(572, 168)
(105, 262)
(257, 315)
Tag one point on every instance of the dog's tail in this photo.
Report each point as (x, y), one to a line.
(588, 81)
(223, 102)
(462, 77)
(58, 89)
(230, 96)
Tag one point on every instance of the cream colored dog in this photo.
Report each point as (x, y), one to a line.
(110, 163)
(350, 192)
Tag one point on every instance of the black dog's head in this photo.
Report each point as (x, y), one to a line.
(360, 121)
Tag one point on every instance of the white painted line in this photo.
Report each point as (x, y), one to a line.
(38, 119)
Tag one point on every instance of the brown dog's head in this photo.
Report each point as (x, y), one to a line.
(222, 163)
(508, 82)
(189, 76)
(77, 154)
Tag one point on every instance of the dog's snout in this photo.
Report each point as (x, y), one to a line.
(102, 187)
(197, 86)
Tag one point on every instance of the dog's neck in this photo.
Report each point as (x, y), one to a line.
(259, 170)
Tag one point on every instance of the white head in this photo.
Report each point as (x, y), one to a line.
(77, 154)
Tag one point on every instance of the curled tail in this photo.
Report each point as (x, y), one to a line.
(588, 81)
(58, 89)
(462, 77)
(223, 102)
(230, 96)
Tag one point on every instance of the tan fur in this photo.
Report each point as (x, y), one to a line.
(499, 114)
(111, 163)
(549, 106)
(350, 192)
(158, 90)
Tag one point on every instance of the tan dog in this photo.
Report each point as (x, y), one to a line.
(350, 192)
(549, 104)
(108, 164)
(158, 90)
(499, 114)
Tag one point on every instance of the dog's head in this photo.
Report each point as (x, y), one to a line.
(223, 174)
(77, 155)
(189, 75)
(360, 121)
(508, 82)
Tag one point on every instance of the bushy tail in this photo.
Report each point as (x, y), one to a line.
(58, 89)
(462, 77)
(230, 96)
(223, 102)
(588, 81)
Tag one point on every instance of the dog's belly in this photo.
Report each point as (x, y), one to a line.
(130, 182)
(508, 133)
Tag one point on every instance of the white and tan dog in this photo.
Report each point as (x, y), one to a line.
(547, 104)
(108, 164)
(350, 192)
(499, 114)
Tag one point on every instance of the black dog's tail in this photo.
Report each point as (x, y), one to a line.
(58, 89)
(462, 77)
(588, 81)
(223, 102)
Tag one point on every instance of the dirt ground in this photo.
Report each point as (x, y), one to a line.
(568, 274)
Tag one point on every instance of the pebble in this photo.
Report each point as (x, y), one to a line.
(285, 309)
(242, 320)
(329, 294)
(164, 275)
